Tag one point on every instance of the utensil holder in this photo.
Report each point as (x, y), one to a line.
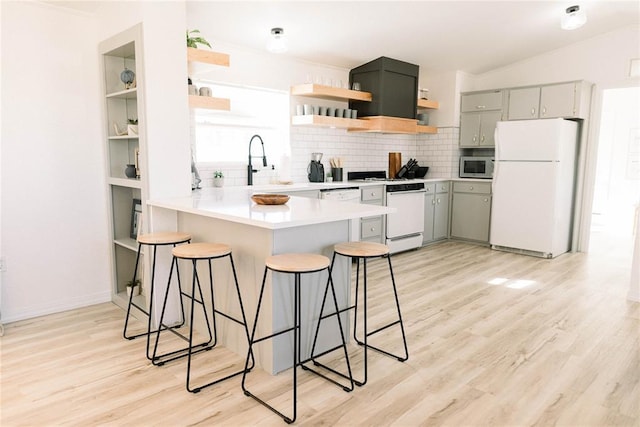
(395, 163)
(336, 173)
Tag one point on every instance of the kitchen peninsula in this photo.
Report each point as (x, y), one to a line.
(228, 215)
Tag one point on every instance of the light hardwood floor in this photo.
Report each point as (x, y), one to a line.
(494, 338)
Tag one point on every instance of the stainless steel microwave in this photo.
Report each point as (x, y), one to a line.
(476, 167)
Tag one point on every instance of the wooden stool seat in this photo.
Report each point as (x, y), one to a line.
(297, 263)
(201, 251)
(164, 238)
(361, 249)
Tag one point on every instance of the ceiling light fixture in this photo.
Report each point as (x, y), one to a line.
(573, 18)
(277, 43)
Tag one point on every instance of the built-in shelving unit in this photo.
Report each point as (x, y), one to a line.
(207, 57)
(122, 104)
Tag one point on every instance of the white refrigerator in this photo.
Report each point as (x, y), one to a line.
(533, 186)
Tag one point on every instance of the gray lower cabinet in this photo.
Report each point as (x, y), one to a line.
(436, 212)
(471, 211)
(372, 228)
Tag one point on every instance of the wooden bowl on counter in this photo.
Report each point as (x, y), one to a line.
(270, 199)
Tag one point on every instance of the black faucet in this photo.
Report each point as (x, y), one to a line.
(250, 169)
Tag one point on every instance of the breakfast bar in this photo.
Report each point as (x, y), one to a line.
(254, 232)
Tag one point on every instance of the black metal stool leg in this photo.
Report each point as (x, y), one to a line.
(343, 333)
(133, 281)
(161, 359)
(395, 294)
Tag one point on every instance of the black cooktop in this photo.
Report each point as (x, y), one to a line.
(372, 176)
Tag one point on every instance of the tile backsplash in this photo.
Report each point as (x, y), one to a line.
(359, 151)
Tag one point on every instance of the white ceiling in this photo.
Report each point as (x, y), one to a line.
(472, 36)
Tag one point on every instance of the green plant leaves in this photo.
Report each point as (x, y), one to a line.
(194, 41)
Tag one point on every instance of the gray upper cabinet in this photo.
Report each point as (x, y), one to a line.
(477, 129)
(542, 102)
(524, 103)
(481, 101)
(559, 101)
(479, 114)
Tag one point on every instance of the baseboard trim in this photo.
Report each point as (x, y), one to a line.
(23, 313)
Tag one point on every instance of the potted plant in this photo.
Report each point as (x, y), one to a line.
(194, 38)
(218, 179)
(132, 126)
(133, 287)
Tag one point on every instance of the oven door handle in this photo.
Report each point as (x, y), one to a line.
(400, 193)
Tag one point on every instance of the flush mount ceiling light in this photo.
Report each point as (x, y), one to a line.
(573, 18)
(277, 42)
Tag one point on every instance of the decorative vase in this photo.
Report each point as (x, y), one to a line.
(130, 171)
(132, 129)
(128, 77)
(134, 289)
(218, 182)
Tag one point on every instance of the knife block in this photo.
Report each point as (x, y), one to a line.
(395, 163)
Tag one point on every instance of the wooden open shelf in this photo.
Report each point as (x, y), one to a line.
(427, 103)
(207, 57)
(209, 103)
(326, 121)
(329, 92)
(427, 129)
(384, 124)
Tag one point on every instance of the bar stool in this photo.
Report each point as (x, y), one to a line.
(364, 251)
(195, 252)
(297, 264)
(153, 240)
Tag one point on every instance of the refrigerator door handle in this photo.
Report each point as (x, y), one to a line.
(496, 163)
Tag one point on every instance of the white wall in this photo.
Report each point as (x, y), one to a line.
(602, 60)
(53, 206)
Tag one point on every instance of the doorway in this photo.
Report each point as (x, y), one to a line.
(617, 182)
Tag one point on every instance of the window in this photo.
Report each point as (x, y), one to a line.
(223, 136)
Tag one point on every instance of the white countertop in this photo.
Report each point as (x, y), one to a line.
(234, 204)
(303, 186)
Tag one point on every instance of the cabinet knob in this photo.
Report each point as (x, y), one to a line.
(433, 202)
(544, 111)
(533, 112)
(482, 138)
(438, 201)
(373, 229)
(486, 200)
(475, 138)
(471, 187)
(480, 107)
(373, 193)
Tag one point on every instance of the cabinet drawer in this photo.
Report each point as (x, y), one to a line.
(430, 188)
(370, 227)
(442, 187)
(371, 193)
(472, 187)
(482, 101)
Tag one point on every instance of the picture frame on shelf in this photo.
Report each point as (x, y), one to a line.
(136, 214)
